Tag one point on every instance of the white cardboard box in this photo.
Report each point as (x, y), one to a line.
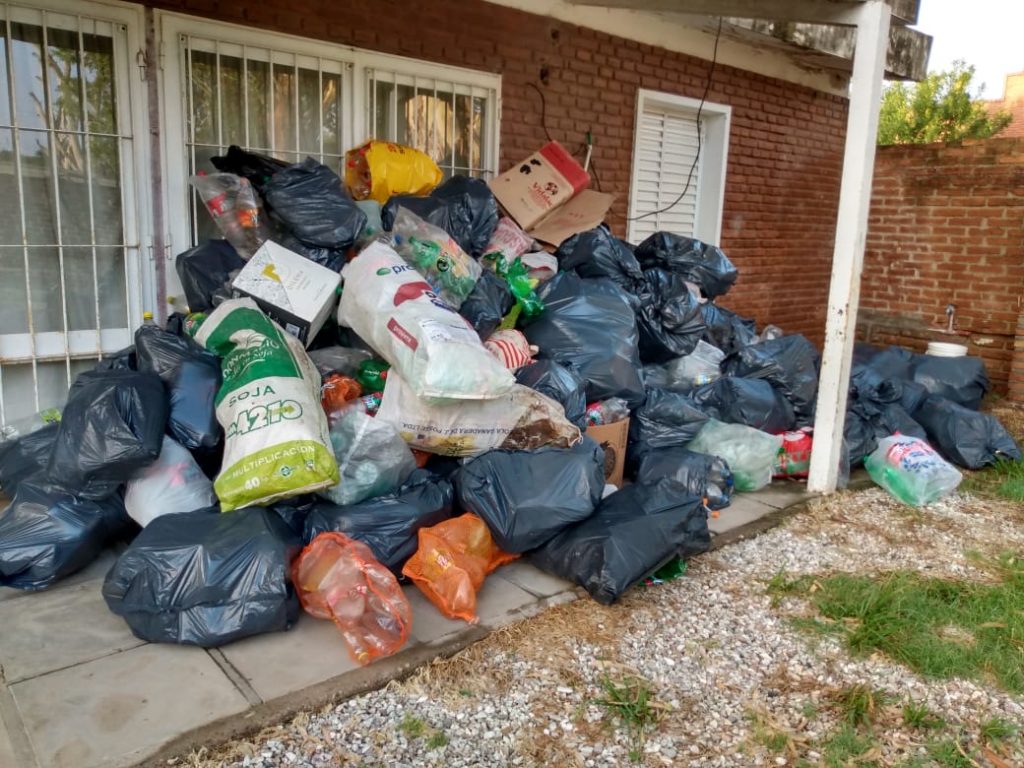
(297, 293)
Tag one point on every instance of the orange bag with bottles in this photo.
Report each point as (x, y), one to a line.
(338, 578)
(451, 562)
(379, 170)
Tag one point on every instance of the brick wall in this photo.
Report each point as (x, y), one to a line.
(947, 227)
(785, 150)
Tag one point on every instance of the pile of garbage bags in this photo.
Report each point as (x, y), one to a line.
(471, 398)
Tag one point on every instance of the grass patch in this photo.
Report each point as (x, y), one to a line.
(1005, 479)
(767, 733)
(859, 705)
(437, 740)
(919, 716)
(996, 730)
(845, 747)
(936, 627)
(631, 700)
(412, 727)
(949, 753)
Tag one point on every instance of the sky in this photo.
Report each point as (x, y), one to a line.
(986, 33)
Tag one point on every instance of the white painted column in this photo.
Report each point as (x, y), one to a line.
(851, 233)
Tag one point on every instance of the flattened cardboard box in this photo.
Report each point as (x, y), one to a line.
(546, 194)
(613, 438)
(297, 293)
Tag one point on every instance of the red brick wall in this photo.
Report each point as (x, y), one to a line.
(947, 227)
(785, 150)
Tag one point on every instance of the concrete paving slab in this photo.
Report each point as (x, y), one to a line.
(745, 508)
(280, 663)
(6, 748)
(782, 493)
(59, 629)
(532, 579)
(429, 625)
(499, 602)
(115, 711)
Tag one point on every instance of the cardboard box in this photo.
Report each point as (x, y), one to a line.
(546, 194)
(297, 293)
(613, 438)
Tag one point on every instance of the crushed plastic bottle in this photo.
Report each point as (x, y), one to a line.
(338, 578)
(911, 470)
(607, 411)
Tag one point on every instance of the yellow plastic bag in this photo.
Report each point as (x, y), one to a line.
(379, 169)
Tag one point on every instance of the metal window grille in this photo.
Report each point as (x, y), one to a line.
(66, 176)
(667, 146)
(450, 121)
(275, 102)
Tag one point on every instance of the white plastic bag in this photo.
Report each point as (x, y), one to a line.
(373, 459)
(171, 484)
(518, 420)
(391, 307)
(750, 453)
(275, 430)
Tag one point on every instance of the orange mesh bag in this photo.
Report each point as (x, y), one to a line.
(451, 562)
(336, 392)
(338, 578)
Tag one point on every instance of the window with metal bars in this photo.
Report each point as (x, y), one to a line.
(69, 237)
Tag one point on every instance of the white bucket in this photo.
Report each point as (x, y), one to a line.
(945, 349)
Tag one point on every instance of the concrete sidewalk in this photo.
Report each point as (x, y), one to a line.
(78, 690)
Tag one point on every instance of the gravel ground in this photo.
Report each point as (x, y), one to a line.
(724, 664)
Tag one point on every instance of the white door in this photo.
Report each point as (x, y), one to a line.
(71, 181)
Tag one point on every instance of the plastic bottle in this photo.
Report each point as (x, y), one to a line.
(147, 318)
(607, 411)
(911, 470)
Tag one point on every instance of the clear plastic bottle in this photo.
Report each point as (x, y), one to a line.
(607, 411)
(147, 318)
(911, 470)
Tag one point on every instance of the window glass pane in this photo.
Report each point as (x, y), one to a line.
(405, 116)
(331, 99)
(13, 306)
(98, 72)
(78, 275)
(37, 188)
(382, 128)
(232, 107)
(283, 135)
(258, 90)
(310, 104)
(476, 147)
(27, 56)
(463, 134)
(111, 270)
(10, 197)
(106, 190)
(63, 73)
(204, 98)
(5, 94)
(47, 305)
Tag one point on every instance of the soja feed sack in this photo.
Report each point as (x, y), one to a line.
(276, 436)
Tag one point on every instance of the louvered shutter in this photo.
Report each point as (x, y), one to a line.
(666, 148)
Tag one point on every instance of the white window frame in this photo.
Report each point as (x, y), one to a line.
(715, 120)
(135, 191)
(357, 118)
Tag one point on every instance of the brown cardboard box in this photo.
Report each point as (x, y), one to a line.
(613, 438)
(546, 194)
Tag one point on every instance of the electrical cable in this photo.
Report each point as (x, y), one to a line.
(700, 143)
(543, 110)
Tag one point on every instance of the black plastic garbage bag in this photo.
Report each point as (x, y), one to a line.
(256, 168)
(311, 203)
(24, 457)
(46, 534)
(295, 511)
(700, 263)
(206, 578)
(463, 207)
(965, 437)
(526, 497)
(487, 304)
(727, 330)
(112, 426)
(893, 363)
(871, 385)
(589, 324)
(388, 525)
(960, 379)
(633, 532)
(192, 377)
(206, 272)
(122, 360)
(669, 317)
(703, 475)
(753, 402)
(598, 253)
(561, 383)
(859, 435)
(665, 419)
(789, 363)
